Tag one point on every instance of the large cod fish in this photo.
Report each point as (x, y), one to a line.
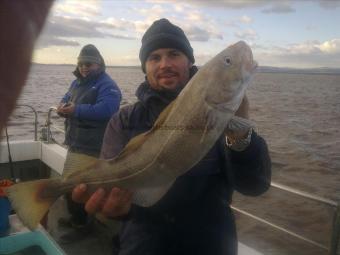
(181, 136)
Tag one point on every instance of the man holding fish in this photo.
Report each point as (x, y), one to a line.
(194, 215)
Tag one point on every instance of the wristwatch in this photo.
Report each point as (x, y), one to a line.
(240, 144)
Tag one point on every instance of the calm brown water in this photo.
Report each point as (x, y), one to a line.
(297, 114)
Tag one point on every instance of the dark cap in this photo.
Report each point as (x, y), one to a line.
(89, 53)
(163, 34)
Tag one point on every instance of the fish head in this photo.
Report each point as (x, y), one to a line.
(230, 74)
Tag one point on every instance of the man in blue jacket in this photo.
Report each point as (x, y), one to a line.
(89, 103)
(194, 216)
(87, 107)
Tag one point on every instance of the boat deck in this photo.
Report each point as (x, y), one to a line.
(53, 156)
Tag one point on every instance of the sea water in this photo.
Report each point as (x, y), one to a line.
(297, 114)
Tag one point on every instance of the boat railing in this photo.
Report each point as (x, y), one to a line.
(333, 247)
(335, 235)
(47, 134)
(35, 123)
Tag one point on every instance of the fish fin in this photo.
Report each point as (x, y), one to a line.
(148, 196)
(210, 124)
(137, 141)
(205, 132)
(76, 161)
(30, 201)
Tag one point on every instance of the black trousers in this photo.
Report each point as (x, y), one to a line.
(184, 221)
(195, 235)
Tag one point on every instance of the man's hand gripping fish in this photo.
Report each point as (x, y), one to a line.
(182, 135)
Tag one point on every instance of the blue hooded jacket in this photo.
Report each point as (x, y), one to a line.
(96, 99)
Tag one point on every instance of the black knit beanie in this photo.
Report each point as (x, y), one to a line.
(89, 53)
(163, 34)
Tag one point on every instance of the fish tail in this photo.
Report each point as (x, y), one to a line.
(31, 200)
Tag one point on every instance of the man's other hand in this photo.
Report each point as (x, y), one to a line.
(114, 204)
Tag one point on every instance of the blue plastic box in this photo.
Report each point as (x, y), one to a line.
(5, 209)
(20, 241)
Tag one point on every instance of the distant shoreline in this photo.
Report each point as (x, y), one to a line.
(39, 64)
(260, 69)
(321, 70)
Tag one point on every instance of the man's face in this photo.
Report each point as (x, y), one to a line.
(86, 67)
(167, 69)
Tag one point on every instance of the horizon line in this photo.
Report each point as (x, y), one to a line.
(264, 66)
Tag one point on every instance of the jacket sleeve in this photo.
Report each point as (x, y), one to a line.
(115, 137)
(251, 168)
(107, 103)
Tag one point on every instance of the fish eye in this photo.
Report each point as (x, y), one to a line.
(227, 61)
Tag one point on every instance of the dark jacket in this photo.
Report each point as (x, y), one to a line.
(97, 98)
(194, 216)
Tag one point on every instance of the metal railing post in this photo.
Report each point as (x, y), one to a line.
(48, 126)
(48, 123)
(335, 232)
(35, 120)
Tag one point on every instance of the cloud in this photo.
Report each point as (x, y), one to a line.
(275, 7)
(195, 33)
(120, 24)
(279, 8)
(299, 61)
(195, 16)
(239, 22)
(59, 28)
(88, 8)
(141, 26)
(151, 14)
(196, 25)
(332, 46)
(239, 4)
(309, 47)
(330, 5)
(74, 27)
(306, 54)
(155, 10)
(314, 47)
(303, 55)
(46, 41)
(202, 31)
(245, 19)
(248, 34)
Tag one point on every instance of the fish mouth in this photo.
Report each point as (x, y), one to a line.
(248, 70)
(250, 67)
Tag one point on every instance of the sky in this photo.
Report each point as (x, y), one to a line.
(297, 34)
